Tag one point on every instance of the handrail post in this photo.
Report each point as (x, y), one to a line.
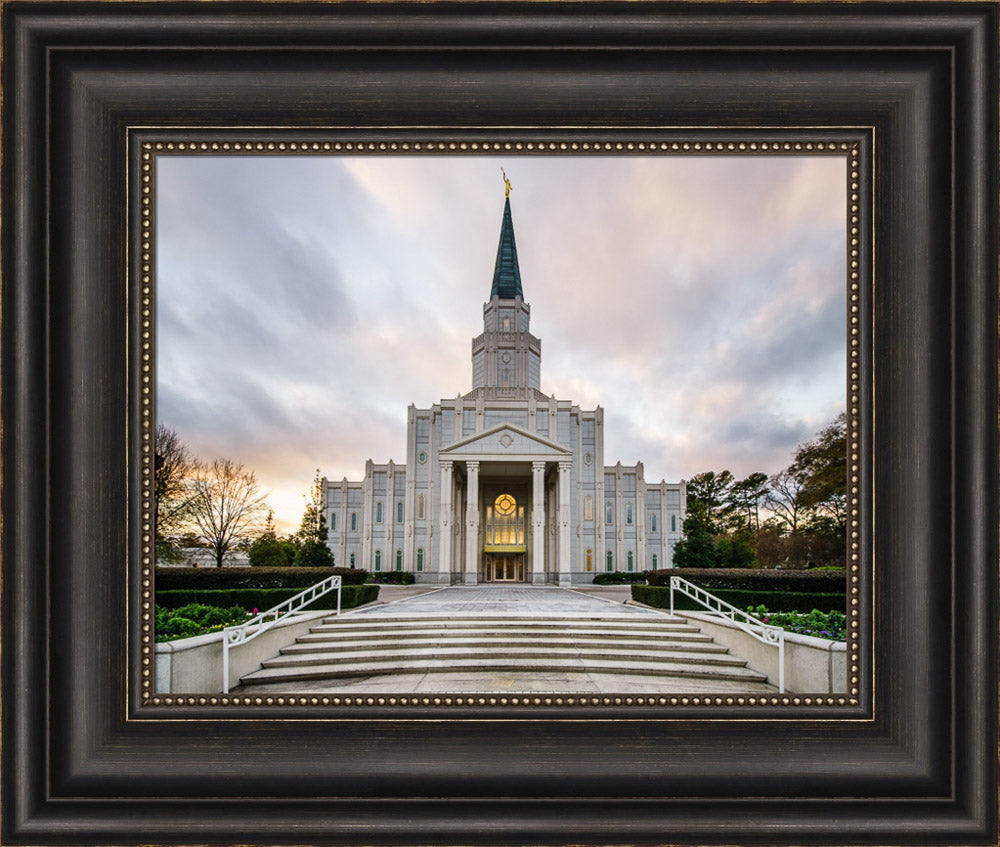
(672, 584)
(225, 662)
(781, 663)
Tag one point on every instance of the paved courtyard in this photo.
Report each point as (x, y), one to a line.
(489, 599)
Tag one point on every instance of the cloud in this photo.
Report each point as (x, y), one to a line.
(304, 302)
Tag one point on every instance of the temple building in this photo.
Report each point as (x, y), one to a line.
(504, 483)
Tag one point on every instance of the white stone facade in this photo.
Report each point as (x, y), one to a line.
(504, 484)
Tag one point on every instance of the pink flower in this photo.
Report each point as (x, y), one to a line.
(765, 619)
(255, 612)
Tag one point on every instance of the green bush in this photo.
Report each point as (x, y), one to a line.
(265, 598)
(658, 596)
(194, 619)
(832, 624)
(206, 579)
(824, 582)
(619, 577)
(392, 577)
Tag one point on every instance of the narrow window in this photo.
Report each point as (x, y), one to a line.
(399, 560)
(609, 513)
(610, 559)
(652, 523)
(420, 559)
(352, 560)
(378, 512)
(628, 513)
(399, 512)
(420, 507)
(590, 559)
(333, 521)
(588, 508)
(673, 523)
(654, 561)
(354, 521)
(630, 563)
(378, 560)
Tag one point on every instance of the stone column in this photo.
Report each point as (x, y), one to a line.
(472, 523)
(565, 576)
(538, 523)
(444, 525)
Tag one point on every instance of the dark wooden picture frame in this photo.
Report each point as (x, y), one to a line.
(86, 761)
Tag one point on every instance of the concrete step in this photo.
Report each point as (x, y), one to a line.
(383, 624)
(287, 674)
(475, 654)
(397, 635)
(487, 641)
(366, 616)
(354, 646)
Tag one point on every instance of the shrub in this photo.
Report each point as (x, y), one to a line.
(832, 624)
(619, 577)
(825, 582)
(658, 596)
(205, 579)
(194, 619)
(265, 598)
(392, 577)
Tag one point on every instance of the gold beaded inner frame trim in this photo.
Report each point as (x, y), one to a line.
(150, 144)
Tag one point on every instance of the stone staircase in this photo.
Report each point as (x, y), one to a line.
(354, 647)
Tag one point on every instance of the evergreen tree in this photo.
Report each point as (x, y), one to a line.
(313, 551)
(697, 549)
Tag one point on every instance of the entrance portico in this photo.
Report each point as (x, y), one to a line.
(491, 483)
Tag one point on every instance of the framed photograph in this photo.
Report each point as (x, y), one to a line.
(108, 108)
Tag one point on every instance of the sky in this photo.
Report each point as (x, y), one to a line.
(303, 302)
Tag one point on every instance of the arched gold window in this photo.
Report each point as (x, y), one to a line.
(505, 525)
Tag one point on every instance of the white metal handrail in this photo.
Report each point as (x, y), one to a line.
(748, 623)
(239, 634)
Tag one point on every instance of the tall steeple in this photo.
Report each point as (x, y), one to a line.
(506, 273)
(506, 358)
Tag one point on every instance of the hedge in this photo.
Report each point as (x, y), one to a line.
(821, 582)
(392, 577)
(265, 598)
(776, 601)
(212, 579)
(619, 577)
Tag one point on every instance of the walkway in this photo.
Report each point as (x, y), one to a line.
(509, 601)
(490, 599)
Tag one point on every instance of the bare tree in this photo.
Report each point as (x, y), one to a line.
(785, 499)
(173, 465)
(227, 508)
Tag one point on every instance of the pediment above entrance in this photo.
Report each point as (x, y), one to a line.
(506, 442)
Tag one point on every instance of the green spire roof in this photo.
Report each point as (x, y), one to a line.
(506, 274)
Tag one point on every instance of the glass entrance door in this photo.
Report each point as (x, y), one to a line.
(505, 568)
